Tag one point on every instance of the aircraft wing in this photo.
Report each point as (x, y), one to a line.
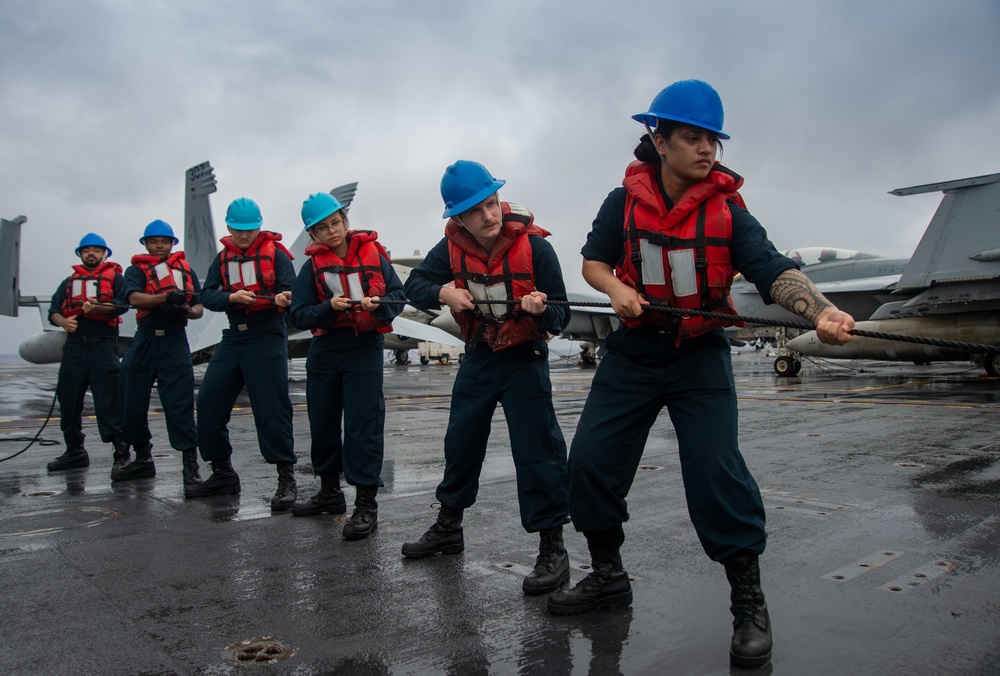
(424, 332)
(590, 298)
(206, 333)
(884, 283)
(589, 324)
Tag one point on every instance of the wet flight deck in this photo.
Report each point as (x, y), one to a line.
(882, 488)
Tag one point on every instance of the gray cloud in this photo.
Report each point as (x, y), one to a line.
(830, 105)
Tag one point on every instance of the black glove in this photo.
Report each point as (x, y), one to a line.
(179, 311)
(176, 298)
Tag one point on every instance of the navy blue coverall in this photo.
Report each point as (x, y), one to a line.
(518, 379)
(89, 359)
(159, 352)
(254, 353)
(643, 371)
(344, 381)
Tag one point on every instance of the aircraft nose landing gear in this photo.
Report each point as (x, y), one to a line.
(992, 365)
(787, 367)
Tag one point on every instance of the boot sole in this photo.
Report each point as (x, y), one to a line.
(131, 477)
(359, 535)
(538, 591)
(617, 601)
(450, 549)
(744, 662)
(231, 490)
(747, 662)
(280, 507)
(63, 467)
(316, 512)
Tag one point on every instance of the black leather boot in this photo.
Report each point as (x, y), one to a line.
(120, 457)
(140, 468)
(751, 647)
(284, 497)
(444, 537)
(364, 520)
(551, 566)
(329, 500)
(224, 481)
(73, 457)
(189, 470)
(606, 587)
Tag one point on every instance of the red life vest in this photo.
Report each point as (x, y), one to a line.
(505, 273)
(252, 269)
(164, 276)
(680, 257)
(357, 275)
(85, 283)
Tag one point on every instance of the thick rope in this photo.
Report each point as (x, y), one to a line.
(801, 326)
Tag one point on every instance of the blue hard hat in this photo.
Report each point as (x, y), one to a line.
(318, 206)
(92, 239)
(689, 101)
(464, 185)
(158, 228)
(243, 214)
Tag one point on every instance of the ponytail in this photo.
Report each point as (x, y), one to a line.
(646, 151)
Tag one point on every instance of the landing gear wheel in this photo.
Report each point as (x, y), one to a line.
(786, 367)
(992, 364)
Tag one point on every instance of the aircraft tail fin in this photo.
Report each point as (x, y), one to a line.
(199, 231)
(345, 194)
(10, 263)
(962, 241)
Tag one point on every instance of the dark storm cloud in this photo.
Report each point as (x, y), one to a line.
(105, 104)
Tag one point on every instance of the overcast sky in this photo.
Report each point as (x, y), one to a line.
(105, 104)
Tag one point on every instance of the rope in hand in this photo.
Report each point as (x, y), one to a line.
(666, 309)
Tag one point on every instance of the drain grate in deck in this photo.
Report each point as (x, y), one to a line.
(263, 650)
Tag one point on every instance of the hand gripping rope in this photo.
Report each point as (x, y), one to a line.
(666, 309)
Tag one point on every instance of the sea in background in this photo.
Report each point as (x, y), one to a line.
(27, 390)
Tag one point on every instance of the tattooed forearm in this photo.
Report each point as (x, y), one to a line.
(793, 291)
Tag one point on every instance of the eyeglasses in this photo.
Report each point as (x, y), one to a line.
(327, 228)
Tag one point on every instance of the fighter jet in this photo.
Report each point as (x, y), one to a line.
(949, 289)
(856, 282)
